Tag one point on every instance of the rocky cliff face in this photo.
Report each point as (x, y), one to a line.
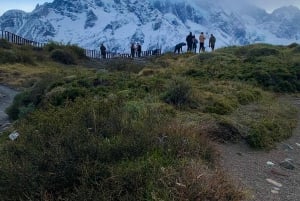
(153, 23)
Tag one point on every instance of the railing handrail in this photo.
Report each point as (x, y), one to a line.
(95, 54)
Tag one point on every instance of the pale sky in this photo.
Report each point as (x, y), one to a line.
(25, 5)
(270, 5)
(29, 5)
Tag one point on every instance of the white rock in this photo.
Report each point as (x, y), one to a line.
(274, 191)
(14, 135)
(275, 183)
(270, 163)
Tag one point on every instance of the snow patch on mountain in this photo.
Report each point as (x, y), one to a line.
(153, 23)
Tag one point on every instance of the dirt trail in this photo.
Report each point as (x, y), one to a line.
(262, 173)
(6, 97)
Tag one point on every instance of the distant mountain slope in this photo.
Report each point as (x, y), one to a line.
(153, 23)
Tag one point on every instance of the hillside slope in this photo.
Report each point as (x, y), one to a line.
(142, 128)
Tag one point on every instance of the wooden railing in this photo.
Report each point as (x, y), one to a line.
(13, 38)
(110, 55)
(95, 54)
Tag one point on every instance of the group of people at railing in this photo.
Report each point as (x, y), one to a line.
(135, 51)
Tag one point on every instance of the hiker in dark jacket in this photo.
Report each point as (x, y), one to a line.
(178, 47)
(194, 44)
(189, 41)
(132, 49)
(212, 41)
(139, 49)
(103, 51)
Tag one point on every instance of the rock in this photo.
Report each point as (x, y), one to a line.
(288, 164)
(269, 163)
(275, 183)
(298, 145)
(14, 135)
(288, 147)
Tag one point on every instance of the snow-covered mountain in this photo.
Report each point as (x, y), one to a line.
(153, 23)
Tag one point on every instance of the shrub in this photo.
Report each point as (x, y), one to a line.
(262, 51)
(107, 149)
(53, 46)
(20, 100)
(7, 57)
(296, 49)
(247, 96)
(293, 45)
(63, 57)
(58, 93)
(178, 92)
(76, 50)
(273, 125)
(220, 105)
(25, 57)
(5, 44)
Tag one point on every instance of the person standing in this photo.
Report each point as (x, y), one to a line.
(212, 41)
(189, 41)
(132, 50)
(139, 49)
(201, 40)
(103, 51)
(194, 44)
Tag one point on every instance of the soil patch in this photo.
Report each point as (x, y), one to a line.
(268, 176)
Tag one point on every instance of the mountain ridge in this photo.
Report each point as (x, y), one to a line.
(153, 23)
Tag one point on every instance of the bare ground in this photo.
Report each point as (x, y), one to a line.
(254, 172)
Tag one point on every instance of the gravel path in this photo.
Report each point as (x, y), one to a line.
(265, 175)
(6, 97)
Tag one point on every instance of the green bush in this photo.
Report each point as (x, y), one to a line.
(293, 45)
(106, 149)
(273, 125)
(179, 92)
(15, 56)
(58, 96)
(262, 51)
(76, 50)
(5, 44)
(220, 105)
(296, 49)
(53, 46)
(63, 57)
(247, 96)
(20, 100)
(7, 57)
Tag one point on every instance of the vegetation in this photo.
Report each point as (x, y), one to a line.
(123, 130)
